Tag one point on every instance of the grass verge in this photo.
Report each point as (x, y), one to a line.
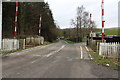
(47, 43)
(71, 42)
(109, 62)
(8, 52)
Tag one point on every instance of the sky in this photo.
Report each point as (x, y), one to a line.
(65, 10)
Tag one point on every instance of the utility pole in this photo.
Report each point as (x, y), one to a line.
(16, 19)
(0, 24)
(102, 20)
(40, 23)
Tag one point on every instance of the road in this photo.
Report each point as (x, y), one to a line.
(57, 60)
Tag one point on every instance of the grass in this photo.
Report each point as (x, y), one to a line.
(47, 43)
(71, 42)
(103, 61)
(8, 52)
(55, 41)
(111, 32)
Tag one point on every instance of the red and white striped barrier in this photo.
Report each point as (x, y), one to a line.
(91, 21)
(103, 19)
(16, 19)
(40, 23)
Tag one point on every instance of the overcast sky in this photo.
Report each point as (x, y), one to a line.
(65, 10)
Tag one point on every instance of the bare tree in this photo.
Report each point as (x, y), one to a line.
(80, 12)
(82, 23)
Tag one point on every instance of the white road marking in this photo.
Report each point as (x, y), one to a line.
(34, 61)
(86, 48)
(88, 53)
(90, 56)
(52, 53)
(81, 52)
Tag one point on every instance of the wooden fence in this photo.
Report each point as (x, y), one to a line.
(109, 49)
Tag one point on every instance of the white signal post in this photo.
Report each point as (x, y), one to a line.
(0, 24)
(40, 23)
(103, 20)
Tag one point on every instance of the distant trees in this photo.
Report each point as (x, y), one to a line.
(82, 24)
(28, 20)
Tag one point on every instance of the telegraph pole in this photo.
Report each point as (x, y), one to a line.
(16, 19)
(0, 24)
(103, 20)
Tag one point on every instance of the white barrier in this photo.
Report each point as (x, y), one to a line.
(109, 49)
(10, 44)
(34, 40)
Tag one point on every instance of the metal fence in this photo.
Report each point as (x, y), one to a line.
(109, 49)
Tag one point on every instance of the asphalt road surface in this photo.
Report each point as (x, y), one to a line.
(57, 60)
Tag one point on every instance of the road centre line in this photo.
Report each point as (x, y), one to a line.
(52, 53)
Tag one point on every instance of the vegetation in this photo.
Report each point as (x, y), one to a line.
(81, 26)
(111, 32)
(112, 63)
(71, 42)
(7, 52)
(28, 20)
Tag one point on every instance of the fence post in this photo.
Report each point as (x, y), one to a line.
(18, 44)
(23, 43)
(97, 47)
(100, 49)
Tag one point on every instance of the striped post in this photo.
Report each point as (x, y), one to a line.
(16, 18)
(91, 21)
(91, 26)
(40, 23)
(103, 20)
